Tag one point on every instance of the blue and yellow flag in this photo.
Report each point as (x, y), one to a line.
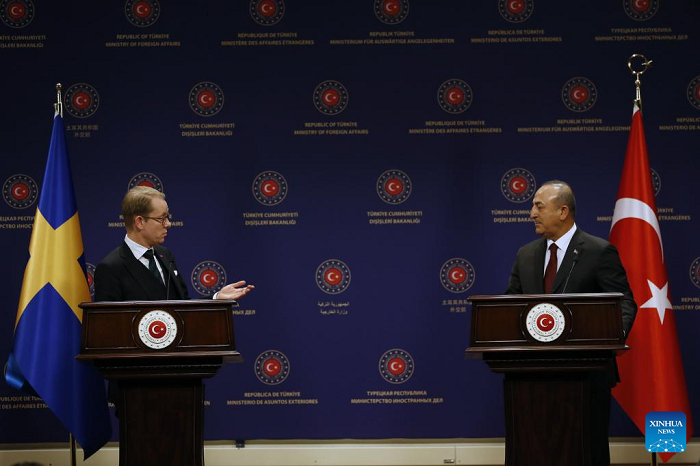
(48, 325)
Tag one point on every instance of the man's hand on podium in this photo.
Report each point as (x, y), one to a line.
(234, 291)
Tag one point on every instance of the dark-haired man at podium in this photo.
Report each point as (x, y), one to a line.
(568, 260)
(140, 269)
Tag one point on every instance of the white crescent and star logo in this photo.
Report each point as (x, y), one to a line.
(457, 275)
(208, 277)
(516, 7)
(640, 10)
(394, 186)
(579, 94)
(270, 188)
(20, 191)
(157, 329)
(266, 12)
(17, 10)
(81, 100)
(396, 366)
(516, 11)
(391, 11)
(330, 97)
(518, 185)
(142, 13)
(206, 99)
(17, 13)
(455, 96)
(142, 9)
(545, 322)
(272, 367)
(333, 276)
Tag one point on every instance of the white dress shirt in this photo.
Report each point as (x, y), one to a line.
(562, 245)
(138, 251)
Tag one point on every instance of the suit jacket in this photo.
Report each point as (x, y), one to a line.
(590, 265)
(122, 277)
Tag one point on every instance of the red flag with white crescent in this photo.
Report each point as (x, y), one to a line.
(651, 371)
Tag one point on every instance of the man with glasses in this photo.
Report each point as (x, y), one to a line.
(141, 269)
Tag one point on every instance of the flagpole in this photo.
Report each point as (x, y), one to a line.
(637, 83)
(638, 103)
(73, 452)
(58, 106)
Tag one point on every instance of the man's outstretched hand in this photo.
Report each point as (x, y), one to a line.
(235, 291)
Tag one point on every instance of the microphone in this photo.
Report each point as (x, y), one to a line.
(170, 268)
(573, 264)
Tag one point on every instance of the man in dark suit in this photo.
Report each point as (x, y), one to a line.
(140, 269)
(568, 260)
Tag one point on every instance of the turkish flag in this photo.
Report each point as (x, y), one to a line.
(651, 371)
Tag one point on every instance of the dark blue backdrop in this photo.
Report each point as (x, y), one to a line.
(129, 70)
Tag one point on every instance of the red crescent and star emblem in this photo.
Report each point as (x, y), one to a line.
(333, 276)
(20, 191)
(391, 11)
(157, 329)
(396, 366)
(208, 277)
(267, 12)
(272, 367)
(394, 186)
(270, 188)
(16, 13)
(330, 97)
(515, 11)
(545, 322)
(206, 99)
(579, 94)
(457, 275)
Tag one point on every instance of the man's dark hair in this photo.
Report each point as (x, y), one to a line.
(565, 195)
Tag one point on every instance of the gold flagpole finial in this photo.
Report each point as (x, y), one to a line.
(637, 83)
(58, 106)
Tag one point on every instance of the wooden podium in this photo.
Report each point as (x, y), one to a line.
(549, 347)
(158, 352)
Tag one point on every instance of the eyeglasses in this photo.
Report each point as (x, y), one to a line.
(162, 219)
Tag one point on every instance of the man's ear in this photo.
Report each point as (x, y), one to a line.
(565, 212)
(138, 223)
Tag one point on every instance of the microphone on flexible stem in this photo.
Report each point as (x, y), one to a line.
(571, 270)
(170, 268)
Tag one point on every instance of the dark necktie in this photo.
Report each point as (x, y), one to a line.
(551, 270)
(152, 265)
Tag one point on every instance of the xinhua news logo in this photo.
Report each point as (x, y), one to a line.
(665, 432)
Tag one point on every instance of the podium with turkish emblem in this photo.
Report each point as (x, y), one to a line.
(159, 352)
(549, 347)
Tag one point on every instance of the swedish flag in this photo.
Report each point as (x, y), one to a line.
(48, 325)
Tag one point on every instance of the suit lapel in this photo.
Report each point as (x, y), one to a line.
(141, 274)
(576, 244)
(538, 264)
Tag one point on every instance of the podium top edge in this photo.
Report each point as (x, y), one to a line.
(545, 297)
(162, 303)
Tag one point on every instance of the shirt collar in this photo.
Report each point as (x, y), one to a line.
(136, 249)
(563, 242)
